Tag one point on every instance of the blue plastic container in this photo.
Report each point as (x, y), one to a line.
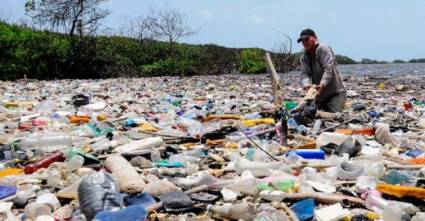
(310, 154)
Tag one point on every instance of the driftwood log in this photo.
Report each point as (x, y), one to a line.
(277, 96)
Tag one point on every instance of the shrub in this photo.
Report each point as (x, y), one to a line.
(252, 61)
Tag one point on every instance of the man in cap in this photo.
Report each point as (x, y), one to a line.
(319, 69)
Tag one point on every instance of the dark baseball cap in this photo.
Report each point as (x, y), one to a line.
(305, 34)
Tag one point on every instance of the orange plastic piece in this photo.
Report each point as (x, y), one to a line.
(215, 142)
(363, 131)
(74, 119)
(11, 171)
(309, 145)
(344, 131)
(401, 191)
(419, 161)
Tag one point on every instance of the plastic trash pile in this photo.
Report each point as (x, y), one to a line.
(210, 148)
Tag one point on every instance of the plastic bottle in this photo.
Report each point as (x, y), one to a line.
(292, 159)
(47, 141)
(34, 210)
(377, 170)
(6, 211)
(75, 163)
(258, 169)
(143, 144)
(49, 199)
(235, 137)
(419, 216)
(292, 123)
(194, 128)
(375, 202)
(269, 213)
(248, 187)
(244, 211)
(316, 126)
(44, 163)
(54, 178)
(311, 154)
(252, 116)
(365, 183)
(101, 144)
(390, 211)
(155, 155)
(22, 196)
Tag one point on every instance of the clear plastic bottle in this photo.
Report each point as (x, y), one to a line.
(54, 178)
(75, 163)
(102, 144)
(244, 211)
(390, 211)
(47, 141)
(252, 116)
(316, 126)
(393, 212)
(34, 210)
(259, 169)
(155, 155)
(375, 202)
(377, 170)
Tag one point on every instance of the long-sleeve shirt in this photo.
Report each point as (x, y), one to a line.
(322, 71)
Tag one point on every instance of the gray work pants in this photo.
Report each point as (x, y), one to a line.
(334, 104)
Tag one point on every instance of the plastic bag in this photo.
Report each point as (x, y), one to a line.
(98, 192)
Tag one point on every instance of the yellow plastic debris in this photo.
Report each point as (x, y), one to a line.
(11, 171)
(401, 191)
(101, 117)
(147, 127)
(255, 122)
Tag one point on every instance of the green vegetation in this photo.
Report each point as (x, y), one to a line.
(252, 61)
(419, 60)
(371, 61)
(398, 61)
(340, 59)
(46, 55)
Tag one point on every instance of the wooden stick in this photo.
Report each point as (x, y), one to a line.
(255, 144)
(289, 211)
(160, 204)
(406, 167)
(315, 165)
(277, 98)
(324, 198)
(335, 126)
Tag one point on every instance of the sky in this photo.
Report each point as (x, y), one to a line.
(378, 29)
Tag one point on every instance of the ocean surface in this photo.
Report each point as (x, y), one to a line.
(383, 69)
